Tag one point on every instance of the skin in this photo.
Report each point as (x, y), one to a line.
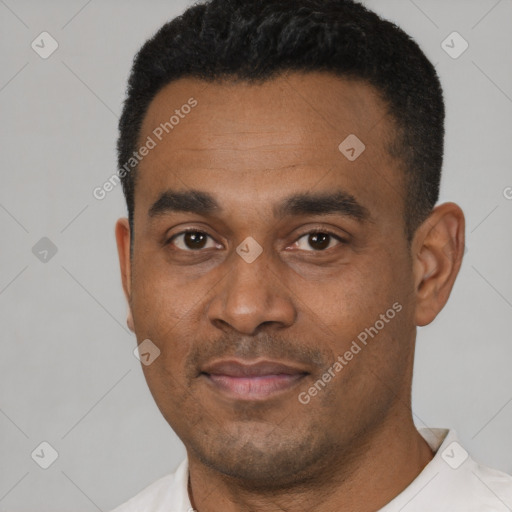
(354, 446)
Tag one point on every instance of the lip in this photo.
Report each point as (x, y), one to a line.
(258, 380)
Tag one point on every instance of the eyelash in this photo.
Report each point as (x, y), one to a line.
(311, 232)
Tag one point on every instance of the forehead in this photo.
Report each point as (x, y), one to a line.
(310, 105)
(237, 137)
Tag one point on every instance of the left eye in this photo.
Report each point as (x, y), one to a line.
(192, 240)
(318, 241)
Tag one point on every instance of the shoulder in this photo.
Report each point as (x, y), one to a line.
(489, 488)
(464, 484)
(469, 485)
(453, 482)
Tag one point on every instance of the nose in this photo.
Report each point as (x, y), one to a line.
(252, 295)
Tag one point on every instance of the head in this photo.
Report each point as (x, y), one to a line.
(283, 210)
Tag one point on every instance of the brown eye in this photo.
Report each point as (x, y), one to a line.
(191, 240)
(194, 240)
(318, 241)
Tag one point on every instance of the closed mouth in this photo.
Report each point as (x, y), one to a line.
(252, 380)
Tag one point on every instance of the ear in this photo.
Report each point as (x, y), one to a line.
(123, 250)
(438, 248)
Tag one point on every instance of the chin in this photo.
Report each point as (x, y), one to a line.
(263, 458)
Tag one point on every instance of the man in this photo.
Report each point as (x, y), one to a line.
(281, 164)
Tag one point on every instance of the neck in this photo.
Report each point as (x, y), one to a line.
(363, 478)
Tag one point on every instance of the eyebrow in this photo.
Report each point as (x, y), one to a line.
(202, 203)
(336, 202)
(193, 201)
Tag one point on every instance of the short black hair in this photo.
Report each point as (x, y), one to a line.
(256, 40)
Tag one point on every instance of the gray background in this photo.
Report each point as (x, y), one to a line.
(68, 375)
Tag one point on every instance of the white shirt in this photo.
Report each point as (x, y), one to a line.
(450, 482)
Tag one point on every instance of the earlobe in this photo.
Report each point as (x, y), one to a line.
(438, 248)
(129, 320)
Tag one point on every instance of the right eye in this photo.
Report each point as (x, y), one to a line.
(191, 240)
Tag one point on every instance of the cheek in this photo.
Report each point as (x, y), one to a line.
(161, 301)
(364, 309)
(168, 319)
(169, 391)
(351, 297)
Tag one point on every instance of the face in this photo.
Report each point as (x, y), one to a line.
(271, 270)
